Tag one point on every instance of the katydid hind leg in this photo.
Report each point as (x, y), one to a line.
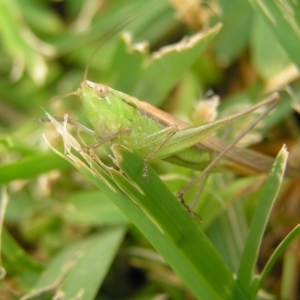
(190, 136)
(206, 171)
(198, 192)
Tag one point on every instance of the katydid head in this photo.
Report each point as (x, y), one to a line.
(108, 110)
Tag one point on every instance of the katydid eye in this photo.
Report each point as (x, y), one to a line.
(102, 90)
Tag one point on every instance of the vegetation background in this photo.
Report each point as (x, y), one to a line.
(63, 236)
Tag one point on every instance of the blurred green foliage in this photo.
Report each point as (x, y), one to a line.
(56, 221)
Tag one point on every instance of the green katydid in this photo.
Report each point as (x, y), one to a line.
(154, 134)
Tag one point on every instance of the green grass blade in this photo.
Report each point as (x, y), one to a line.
(226, 44)
(284, 23)
(31, 166)
(92, 208)
(170, 62)
(78, 271)
(27, 55)
(259, 221)
(174, 233)
(277, 253)
(15, 257)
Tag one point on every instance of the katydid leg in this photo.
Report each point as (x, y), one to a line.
(109, 138)
(85, 129)
(71, 121)
(204, 173)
